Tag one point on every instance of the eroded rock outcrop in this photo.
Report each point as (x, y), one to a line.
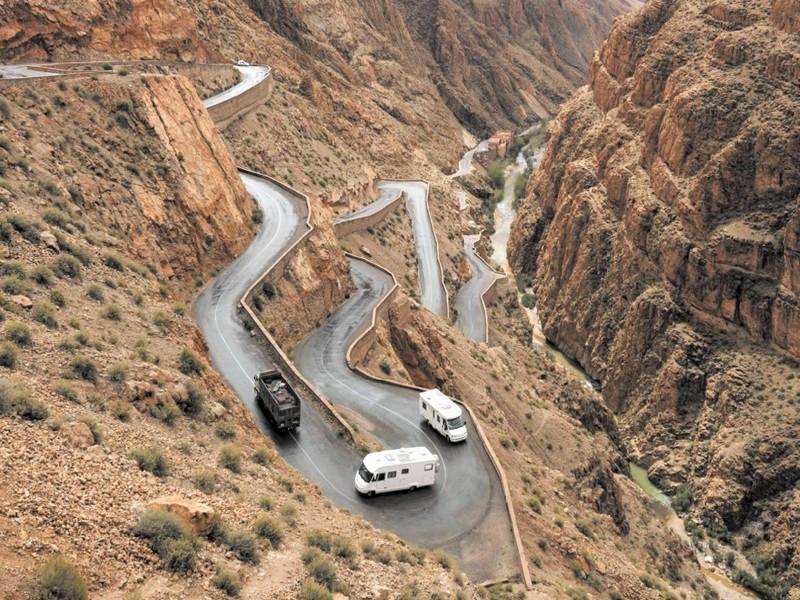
(662, 233)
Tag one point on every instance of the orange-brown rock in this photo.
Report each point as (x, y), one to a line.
(198, 516)
(662, 231)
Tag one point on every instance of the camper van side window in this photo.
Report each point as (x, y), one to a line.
(404, 472)
(380, 477)
(429, 467)
(391, 474)
(424, 406)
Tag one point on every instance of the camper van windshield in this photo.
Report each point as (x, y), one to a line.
(455, 423)
(364, 473)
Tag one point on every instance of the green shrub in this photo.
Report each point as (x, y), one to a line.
(58, 579)
(244, 546)
(195, 398)
(443, 559)
(12, 268)
(67, 267)
(309, 555)
(230, 457)
(42, 275)
(165, 409)
(584, 528)
(19, 333)
(118, 373)
(113, 261)
(228, 581)
(8, 355)
(180, 555)
(45, 313)
(266, 527)
(83, 367)
(12, 394)
(57, 298)
(262, 456)
(55, 217)
(528, 300)
(168, 537)
(121, 410)
(205, 481)
(323, 571)
(31, 409)
(189, 363)
(226, 430)
(27, 229)
(313, 591)
(65, 390)
(162, 320)
(95, 292)
(266, 503)
(683, 498)
(289, 514)
(320, 539)
(112, 312)
(15, 285)
(152, 460)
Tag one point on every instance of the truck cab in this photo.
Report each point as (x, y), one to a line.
(444, 415)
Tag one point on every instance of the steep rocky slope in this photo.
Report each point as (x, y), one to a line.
(111, 188)
(662, 231)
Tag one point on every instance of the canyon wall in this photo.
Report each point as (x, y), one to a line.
(662, 233)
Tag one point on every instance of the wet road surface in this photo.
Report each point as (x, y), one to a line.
(251, 76)
(467, 302)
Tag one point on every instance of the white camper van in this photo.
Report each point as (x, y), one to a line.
(444, 415)
(393, 470)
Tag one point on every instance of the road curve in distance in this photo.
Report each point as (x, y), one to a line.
(465, 512)
(465, 164)
(468, 300)
(24, 72)
(432, 291)
(385, 197)
(252, 75)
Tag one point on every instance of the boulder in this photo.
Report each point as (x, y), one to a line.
(79, 434)
(50, 240)
(198, 516)
(22, 301)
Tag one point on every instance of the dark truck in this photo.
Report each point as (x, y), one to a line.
(278, 399)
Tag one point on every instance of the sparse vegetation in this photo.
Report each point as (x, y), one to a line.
(168, 537)
(83, 367)
(226, 430)
(314, 591)
(67, 267)
(8, 355)
(58, 579)
(152, 460)
(266, 527)
(189, 363)
(19, 333)
(230, 457)
(244, 546)
(192, 403)
(206, 481)
(228, 581)
(45, 313)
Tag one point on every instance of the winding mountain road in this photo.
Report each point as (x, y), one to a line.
(433, 294)
(464, 513)
(252, 75)
(468, 301)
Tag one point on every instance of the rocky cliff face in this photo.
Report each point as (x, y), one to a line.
(662, 230)
(142, 157)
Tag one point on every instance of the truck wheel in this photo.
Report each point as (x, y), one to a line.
(412, 488)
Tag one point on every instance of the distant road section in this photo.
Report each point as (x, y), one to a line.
(468, 301)
(432, 291)
(251, 77)
(23, 72)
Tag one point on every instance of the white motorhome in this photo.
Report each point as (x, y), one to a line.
(444, 415)
(393, 470)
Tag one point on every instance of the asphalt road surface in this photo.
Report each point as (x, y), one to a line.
(465, 508)
(464, 513)
(470, 312)
(251, 76)
(465, 164)
(432, 292)
(23, 72)
(385, 196)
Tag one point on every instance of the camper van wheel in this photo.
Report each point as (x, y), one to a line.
(412, 488)
(370, 493)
